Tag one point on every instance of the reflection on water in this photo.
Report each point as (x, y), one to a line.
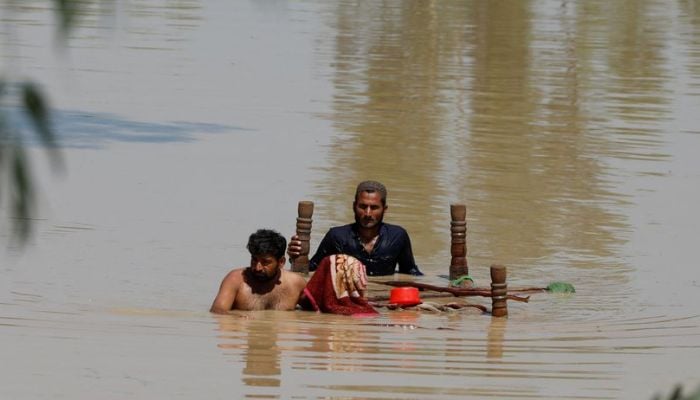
(260, 348)
(497, 330)
(407, 354)
(394, 91)
(536, 154)
(568, 129)
(501, 113)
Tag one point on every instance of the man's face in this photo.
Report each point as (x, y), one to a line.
(369, 210)
(265, 267)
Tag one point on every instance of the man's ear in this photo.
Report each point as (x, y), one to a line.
(281, 261)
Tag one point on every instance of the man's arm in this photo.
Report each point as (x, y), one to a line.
(407, 264)
(299, 284)
(223, 303)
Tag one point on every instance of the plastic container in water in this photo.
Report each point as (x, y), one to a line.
(404, 296)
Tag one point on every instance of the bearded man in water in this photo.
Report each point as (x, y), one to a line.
(265, 284)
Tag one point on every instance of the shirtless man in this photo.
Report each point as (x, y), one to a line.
(265, 284)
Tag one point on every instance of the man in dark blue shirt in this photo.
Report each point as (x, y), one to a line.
(378, 245)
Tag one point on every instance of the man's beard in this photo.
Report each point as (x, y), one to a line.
(263, 277)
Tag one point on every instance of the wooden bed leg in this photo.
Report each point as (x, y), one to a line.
(499, 291)
(458, 247)
(305, 211)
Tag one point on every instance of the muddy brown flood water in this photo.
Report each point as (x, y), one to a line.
(569, 129)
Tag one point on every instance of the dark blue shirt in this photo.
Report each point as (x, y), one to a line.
(392, 247)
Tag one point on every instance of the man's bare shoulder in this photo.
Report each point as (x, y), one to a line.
(228, 291)
(293, 279)
(235, 276)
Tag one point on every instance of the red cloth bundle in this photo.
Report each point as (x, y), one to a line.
(338, 287)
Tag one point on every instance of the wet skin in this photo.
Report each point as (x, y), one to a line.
(263, 285)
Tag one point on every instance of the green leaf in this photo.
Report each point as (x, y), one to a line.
(23, 194)
(459, 281)
(561, 287)
(66, 10)
(36, 106)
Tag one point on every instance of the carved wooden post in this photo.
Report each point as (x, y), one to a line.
(458, 248)
(305, 211)
(499, 291)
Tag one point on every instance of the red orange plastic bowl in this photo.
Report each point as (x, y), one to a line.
(404, 296)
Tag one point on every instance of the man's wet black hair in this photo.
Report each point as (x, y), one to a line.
(371, 187)
(267, 242)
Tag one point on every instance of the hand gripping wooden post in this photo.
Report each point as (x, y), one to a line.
(305, 211)
(458, 248)
(499, 291)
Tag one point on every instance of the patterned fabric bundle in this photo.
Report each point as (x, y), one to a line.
(338, 286)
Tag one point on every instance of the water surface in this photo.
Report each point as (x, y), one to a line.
(569, 129)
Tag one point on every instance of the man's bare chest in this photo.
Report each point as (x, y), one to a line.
(275, 299)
